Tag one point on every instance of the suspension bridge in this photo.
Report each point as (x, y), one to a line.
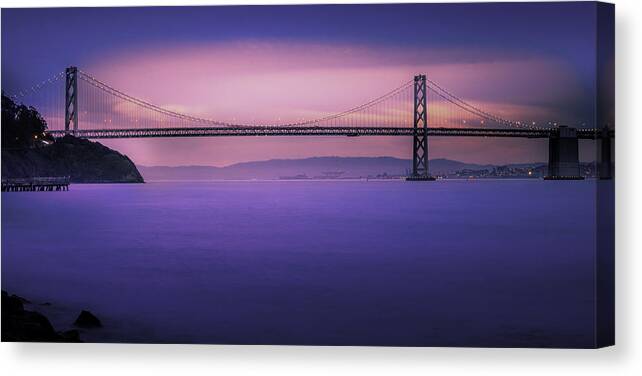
(77, 103)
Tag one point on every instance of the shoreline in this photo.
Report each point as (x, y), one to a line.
(23, 321)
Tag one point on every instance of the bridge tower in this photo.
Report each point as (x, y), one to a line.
(563, 155)
(420, 133)
(71, 100)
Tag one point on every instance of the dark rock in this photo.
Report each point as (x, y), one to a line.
(23, 300)
(46, 304)
(87, 320)
(82, 160)
(71, 335)
(11, 305)
(20, 325)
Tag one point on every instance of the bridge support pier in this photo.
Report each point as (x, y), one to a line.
(563, 155)
(71, 100)
(605, 165)
(420, 133)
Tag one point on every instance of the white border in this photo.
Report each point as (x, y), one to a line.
(109, 359)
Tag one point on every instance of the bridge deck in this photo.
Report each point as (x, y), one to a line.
(317, 131)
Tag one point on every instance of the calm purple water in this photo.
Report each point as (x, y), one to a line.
(466, 263)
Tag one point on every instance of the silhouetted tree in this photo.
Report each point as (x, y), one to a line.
(22, 126)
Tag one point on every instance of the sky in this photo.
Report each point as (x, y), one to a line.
(527, 61)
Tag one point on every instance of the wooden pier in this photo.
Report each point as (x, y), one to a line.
(36, 184)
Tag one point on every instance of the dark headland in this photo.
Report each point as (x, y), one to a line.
(28, 151)
(82, 160)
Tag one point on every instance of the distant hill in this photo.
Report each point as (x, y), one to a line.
(338, 167)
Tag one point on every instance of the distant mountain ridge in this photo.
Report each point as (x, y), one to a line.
(343, 167)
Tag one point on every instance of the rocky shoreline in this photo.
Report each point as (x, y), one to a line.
(21, 325)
